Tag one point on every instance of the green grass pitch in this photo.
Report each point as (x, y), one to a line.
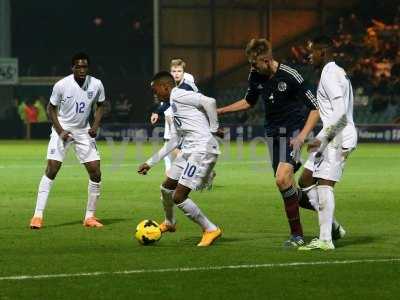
(244, 202)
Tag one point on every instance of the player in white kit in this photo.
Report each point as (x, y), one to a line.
(69, 109)
(185, 80)
(195, 124)
(333, 144)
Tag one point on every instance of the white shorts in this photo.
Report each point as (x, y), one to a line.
(331, 164)
(193, 169)
(84, 146)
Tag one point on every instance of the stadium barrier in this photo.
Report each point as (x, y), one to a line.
(367, 133)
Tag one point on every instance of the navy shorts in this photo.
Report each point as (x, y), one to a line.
(281, 151)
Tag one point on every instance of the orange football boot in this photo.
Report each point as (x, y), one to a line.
(36, 223)
(165, 227)
(92, 222)
(209, 237)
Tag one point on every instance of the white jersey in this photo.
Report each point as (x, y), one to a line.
(335, 98)
(195, 120)
(168, 123)
(75, 102)
(188, 77)
(188, 83)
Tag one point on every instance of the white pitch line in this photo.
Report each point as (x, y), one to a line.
(210, 268)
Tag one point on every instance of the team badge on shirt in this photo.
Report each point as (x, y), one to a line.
(90, 94)
(282, 86)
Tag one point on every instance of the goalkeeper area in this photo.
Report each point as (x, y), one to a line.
(65, 260)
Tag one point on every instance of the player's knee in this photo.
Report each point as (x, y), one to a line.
(302, 182)
(178, 197)
(51, 172)
(170, 184)
(283, 181)
(306, 179)
(95, 176)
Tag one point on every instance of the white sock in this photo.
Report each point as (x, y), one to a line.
(93, 197)
(193, 212)
(312, 195)
(42, 196)
(326, 211)
(168, 204)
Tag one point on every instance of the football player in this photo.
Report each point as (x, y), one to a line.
(195, 124)
(333, 144)
(185, 80)
(291, 112)
(69, 108)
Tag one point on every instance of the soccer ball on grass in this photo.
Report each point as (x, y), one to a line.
(148, 232)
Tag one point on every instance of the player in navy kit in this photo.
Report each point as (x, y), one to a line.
(291, 112)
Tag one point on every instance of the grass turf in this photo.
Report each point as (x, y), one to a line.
(244, 202)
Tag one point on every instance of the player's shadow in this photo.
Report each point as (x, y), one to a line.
(103, 221)
(222, 240)
(114, 221)
(234, 240)
(214, 187)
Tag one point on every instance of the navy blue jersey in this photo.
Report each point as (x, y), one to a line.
(287, 100)
(161, 107)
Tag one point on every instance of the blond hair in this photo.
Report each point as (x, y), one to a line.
(258, 47)
(177, 62)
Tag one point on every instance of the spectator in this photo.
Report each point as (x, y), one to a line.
(382, 68)
(39, 104)
(21, 110)
(31, 112)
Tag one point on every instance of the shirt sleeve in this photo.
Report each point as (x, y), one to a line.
(56, 95)
(161, 108)
(253, 93)
(210, 107)
(307, 96)
(101, 94)
(188, 77)
(331, 84)
(302, 89)
(167, 147)
(190, 85)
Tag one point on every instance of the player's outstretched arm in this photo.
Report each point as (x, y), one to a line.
(164, 151)
(236, 106)
(97, 119)
(52, 113)
(311, 122)
(210, 107)
(160, 109)
(143, 169)
(337, 121)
